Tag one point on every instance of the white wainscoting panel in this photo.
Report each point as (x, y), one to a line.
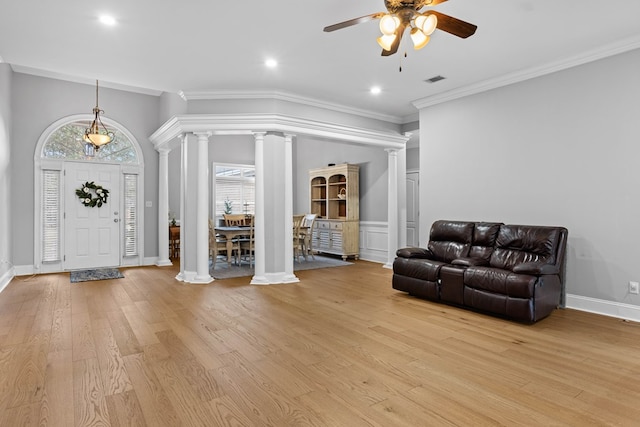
(374, 241)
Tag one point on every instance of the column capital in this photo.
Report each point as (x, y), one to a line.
(392, 151)
(205, 134)
(288, 137)
(259, 136)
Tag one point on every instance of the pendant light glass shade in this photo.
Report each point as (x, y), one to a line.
(389, 24)
(426, 23)
(97, 134)
(419, 38)
(386, 41)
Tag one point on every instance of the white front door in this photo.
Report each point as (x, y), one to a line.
(412, 209)
(92, 234)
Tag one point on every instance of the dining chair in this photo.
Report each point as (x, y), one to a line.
(307, 231)
(231, 220)
(217, 245)
(247, 243)
(298, 239)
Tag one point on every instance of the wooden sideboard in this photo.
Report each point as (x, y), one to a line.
(335, 200)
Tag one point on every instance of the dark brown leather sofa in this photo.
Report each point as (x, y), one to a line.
(515, 271)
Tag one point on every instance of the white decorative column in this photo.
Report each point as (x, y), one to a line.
(163, 208)
(274, 209)
(289, 277)
(183, 191)
(392, 205)
(259, 277)
(202, 211)
(402, 198)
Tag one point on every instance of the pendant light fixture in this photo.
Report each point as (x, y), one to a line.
(97, 135)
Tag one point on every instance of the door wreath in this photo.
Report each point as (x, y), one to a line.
(86, 194)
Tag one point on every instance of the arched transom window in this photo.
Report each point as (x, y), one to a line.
(66, 143)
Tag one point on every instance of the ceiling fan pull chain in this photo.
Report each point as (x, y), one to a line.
(400, 67)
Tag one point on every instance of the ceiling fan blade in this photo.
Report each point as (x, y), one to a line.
(453, 25)
(396, 42)
(353, 21)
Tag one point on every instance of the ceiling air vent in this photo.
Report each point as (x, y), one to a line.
(435, 79)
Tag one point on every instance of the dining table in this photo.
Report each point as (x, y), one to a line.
(231, 232)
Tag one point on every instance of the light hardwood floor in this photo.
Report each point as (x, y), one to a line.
(340, 348)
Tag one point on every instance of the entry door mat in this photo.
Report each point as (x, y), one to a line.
(96, 274)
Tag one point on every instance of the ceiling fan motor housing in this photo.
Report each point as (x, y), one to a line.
(393, 6)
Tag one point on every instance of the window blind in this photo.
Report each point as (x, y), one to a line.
(237, 186)
(130, 215)
(50, 215)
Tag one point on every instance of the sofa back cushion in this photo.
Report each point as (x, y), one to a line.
(484, 239)
(517, 244)
(449, 240)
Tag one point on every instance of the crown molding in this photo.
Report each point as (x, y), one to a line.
(619, 47)
(76, 79)
(248, 124)
(288, 97)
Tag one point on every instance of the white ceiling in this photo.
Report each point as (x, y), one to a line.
(214, 46)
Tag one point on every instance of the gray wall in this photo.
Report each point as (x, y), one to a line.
(6, 75)
(171, 104)
(232, 149)
(291, 109)
(36, 103)
(561, 149)
(413, 158)
(308, 153)
(311, 153)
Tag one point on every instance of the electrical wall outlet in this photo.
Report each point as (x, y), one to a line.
(634, 288)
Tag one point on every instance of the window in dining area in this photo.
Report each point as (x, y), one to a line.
(234, 189)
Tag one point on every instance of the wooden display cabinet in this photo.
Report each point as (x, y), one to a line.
(335, 199)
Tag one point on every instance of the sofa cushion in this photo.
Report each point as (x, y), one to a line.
(499, 281)
(518, 244)
(484, 239)
(413, 252)
(425, 269)
(449, 240)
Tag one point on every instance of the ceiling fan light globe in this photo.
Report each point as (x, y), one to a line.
(389, 24)
(419, 38)
(386, 41)
(428, 24)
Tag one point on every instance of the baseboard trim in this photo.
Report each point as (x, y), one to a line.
(6, 278)
(24, 270)
(603, 307)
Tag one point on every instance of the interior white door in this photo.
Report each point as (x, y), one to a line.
(92, 234)
(413, 223)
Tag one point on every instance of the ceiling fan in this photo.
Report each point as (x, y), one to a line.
(406, 13)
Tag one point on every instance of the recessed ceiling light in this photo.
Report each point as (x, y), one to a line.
(107, 20)
(271, 63)
(375, 90)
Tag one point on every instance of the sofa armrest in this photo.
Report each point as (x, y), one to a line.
(414, 253)
(469, 262)
(536, 268)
